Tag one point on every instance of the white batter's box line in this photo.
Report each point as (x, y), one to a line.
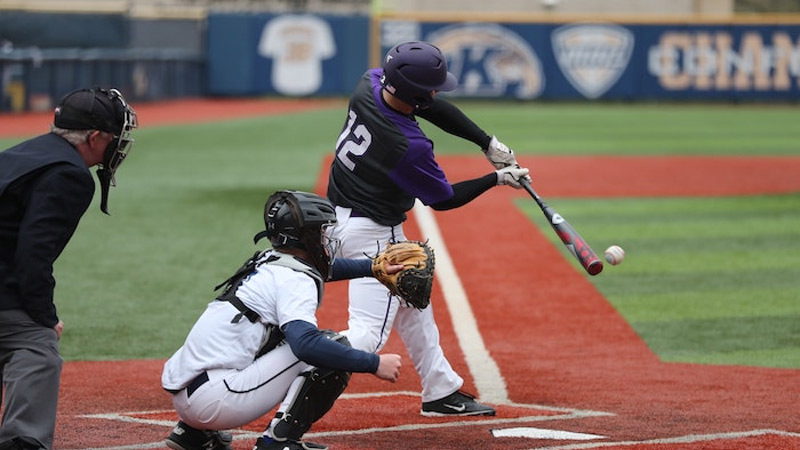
(244, 434)
(135, 417)
(567, 413)
(379, 394)
(688, 439)
(453, 424)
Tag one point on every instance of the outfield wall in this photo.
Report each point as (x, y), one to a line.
(44, 55)
(515, 57)
(519, 56)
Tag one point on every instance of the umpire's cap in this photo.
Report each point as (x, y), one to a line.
(89, 109)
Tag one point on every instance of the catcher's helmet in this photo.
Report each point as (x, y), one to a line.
(412, 70)
(300, 220)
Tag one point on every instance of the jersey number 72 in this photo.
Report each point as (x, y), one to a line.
(355, 139)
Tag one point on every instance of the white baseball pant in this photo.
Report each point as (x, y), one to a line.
(232, 398)
(373, 312)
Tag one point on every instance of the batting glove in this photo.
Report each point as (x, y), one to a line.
(511, 175)
(499, 154)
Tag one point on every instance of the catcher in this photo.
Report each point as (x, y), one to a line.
(257, 344)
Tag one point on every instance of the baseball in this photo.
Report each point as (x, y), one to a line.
(614, 255)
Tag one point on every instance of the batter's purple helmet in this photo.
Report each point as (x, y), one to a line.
(412, 70)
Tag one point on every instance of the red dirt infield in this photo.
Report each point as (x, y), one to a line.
(568, 360)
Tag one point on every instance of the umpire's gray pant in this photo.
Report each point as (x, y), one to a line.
(30, 366)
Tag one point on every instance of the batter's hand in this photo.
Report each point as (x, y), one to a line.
(499, 154)
(511, 175)
(389, 367)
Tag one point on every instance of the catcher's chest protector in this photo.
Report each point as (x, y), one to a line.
(299, 266)
(274, 335)
(232, 284)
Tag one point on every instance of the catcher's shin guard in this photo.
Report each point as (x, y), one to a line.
(316, 395)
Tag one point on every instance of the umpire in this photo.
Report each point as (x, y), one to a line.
(45, 188)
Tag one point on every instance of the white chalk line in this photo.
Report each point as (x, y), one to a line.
(688, 439)
(136, 417)
(489, 381)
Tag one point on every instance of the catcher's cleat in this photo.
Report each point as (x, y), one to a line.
(269, 444)
(184, 437)
(456, 404)
(20, 444)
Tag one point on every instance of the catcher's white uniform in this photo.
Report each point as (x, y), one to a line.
(240, 388)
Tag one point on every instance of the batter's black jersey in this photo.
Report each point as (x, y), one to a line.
(383, 159)
(45, 187)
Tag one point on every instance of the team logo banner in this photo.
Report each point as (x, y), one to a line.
(592, 56)
(490, 60)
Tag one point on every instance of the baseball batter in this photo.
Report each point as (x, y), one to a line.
(257, 345)
(383, 163)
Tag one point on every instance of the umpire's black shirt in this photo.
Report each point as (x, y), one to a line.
(45, 187)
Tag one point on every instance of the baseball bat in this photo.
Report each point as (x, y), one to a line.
(571, 239)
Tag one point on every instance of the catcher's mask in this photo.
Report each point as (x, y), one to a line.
(301, 220)
(413, 70)
(103, 110)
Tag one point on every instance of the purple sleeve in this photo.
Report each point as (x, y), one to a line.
(418, 174)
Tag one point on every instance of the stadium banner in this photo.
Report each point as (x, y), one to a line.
(585, 60)
(285, 54)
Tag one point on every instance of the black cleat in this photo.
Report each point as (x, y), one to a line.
(184, 437)
(263, 444)
(456, 404)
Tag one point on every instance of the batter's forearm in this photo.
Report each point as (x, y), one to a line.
(466, 191)
(452, 120)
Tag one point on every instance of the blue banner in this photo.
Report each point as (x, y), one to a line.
(313, 55)
(614, 61)
(285, 54)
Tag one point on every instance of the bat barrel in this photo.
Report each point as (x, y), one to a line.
(594, 267)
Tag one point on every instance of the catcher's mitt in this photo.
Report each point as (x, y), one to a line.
(413, 284)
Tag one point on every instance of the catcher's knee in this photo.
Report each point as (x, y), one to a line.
(338, 337)
(313, 399)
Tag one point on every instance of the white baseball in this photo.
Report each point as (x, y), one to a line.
(614, 255)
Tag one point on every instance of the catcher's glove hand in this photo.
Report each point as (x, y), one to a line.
(415, 281)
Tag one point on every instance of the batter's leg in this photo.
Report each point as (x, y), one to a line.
(371, 314)
(420, 335)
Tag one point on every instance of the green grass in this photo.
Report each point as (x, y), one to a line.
(706, 280)
(625, 129)
(187, 204)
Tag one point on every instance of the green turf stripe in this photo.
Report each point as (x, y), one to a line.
(705, 279)
(726, 340)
